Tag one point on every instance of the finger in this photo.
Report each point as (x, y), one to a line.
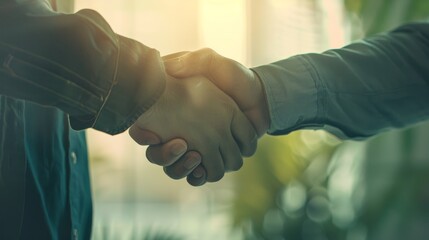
(174, 55)
(213, 164)
(198, 177)
(184, 166)
(244, 134)
(167, 153)
(143, 137)
(231, 156)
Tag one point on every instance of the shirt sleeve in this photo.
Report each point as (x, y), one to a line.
(367, 87)
(75, 62)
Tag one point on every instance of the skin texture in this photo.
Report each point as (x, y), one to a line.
(234, 79)
(217, 133)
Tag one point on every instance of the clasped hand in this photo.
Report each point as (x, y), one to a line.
(211, 123)
(198, 113)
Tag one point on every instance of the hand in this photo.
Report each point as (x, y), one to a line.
(171, 154)
(237, 81)
(207, 118)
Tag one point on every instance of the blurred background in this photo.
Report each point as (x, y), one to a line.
(307, 185)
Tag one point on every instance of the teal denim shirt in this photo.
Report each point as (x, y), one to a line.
(60, 74)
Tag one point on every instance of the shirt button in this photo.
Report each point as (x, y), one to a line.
(73, 157)
(75, 234)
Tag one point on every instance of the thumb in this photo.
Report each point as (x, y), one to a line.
(174, 67)
(174, 63)
(234, 79)
(174, 55)
(143, 136)
(188, 64)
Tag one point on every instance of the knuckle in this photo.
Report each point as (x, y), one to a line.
(250, 149)
(152, 52)
(153, 156)
(233, 164)
(196, 182)
(248, 152)
(237, 164)
(215, 177)
(171, 172)
(209, 54)
(208, 51)
(135, 133)
(193, 154)
(149, 155)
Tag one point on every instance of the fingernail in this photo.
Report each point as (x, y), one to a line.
(178, 149)
(197, 173)
(173, 65)
(191, 162)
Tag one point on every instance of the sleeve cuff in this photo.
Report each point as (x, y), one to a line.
(130, 74)
(139, 82)
(293, 95)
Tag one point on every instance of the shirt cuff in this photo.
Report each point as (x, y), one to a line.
(131, 75)
(140, 81)
(293, 95)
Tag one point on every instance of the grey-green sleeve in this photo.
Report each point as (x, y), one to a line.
(362, 89)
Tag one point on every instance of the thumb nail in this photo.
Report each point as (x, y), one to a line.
(173, 65)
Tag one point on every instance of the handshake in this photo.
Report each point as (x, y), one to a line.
(209, 116)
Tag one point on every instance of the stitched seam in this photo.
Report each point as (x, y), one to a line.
(54, 93)
(378, 93)
(320, 88)
(11, 58)
(116, 41)
(71, 72)
(113, 81)
(264, 93)
(273, 108)
(137, 112)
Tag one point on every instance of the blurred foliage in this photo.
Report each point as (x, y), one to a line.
(276, 182)
(309, 186)
(381, 15)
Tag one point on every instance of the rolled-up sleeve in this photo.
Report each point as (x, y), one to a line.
(379, 83)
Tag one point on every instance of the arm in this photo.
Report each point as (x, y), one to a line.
(220, 132)
(357, 91)
(77, 63)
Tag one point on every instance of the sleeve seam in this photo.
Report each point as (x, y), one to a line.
(270, 98)
(112, 83)
(320, 88)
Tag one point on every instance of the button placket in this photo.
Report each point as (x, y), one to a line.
(75, 234)
(73, 158)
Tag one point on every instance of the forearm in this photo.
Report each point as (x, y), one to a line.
(356, 91)
(77, 63)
